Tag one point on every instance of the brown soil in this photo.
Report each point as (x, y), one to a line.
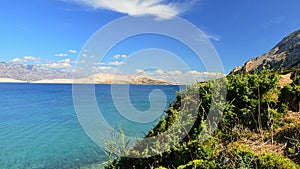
(263, 143)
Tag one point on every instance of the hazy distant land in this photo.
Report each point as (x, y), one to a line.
(101, 78)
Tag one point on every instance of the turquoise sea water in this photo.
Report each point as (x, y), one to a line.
(39, 126)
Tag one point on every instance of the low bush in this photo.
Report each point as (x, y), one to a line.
(249, 102)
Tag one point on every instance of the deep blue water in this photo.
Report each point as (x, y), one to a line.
(39, 126)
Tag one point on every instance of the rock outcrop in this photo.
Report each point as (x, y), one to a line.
(284, 55)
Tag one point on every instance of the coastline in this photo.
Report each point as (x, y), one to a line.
(76, 81)
(10, 80)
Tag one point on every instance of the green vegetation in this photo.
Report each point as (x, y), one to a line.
(255, 129)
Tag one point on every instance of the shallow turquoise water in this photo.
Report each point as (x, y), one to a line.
(39, 127)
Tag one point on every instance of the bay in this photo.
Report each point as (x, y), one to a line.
(39, 126)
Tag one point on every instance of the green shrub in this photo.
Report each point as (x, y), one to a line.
(252, 102)
(290, 95)
(251, 96)
(296, 80)
(201, 164)
(290, 136)
(268, 161)
(241, 158)
(161, 167)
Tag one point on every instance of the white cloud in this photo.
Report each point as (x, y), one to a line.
(66, 63)
(61, 55)
(202, 76)
(80, 62)
(31, 58)
(176, 72)
(117, 57)
(203, 37)
(25, 59)
(159, 71)
(177, 76)
(16, 60)
(194, 72)
(84, 55)
(105, 68)
(116, 63)
(213, 37)
(158, 8)
(99, 63)
(73, 51)
(140, 71)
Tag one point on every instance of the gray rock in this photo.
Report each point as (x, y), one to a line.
(285, 54)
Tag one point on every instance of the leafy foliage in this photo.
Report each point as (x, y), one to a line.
(290, 95)
(248, 102)
(247, 98)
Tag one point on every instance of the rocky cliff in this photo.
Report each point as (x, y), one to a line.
(284, 55)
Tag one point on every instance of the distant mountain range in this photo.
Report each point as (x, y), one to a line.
(30, 73)
(284, 55)
(19, 73)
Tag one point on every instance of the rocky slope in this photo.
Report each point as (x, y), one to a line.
(284, 55)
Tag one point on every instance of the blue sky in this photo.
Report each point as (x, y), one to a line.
(53, 32)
